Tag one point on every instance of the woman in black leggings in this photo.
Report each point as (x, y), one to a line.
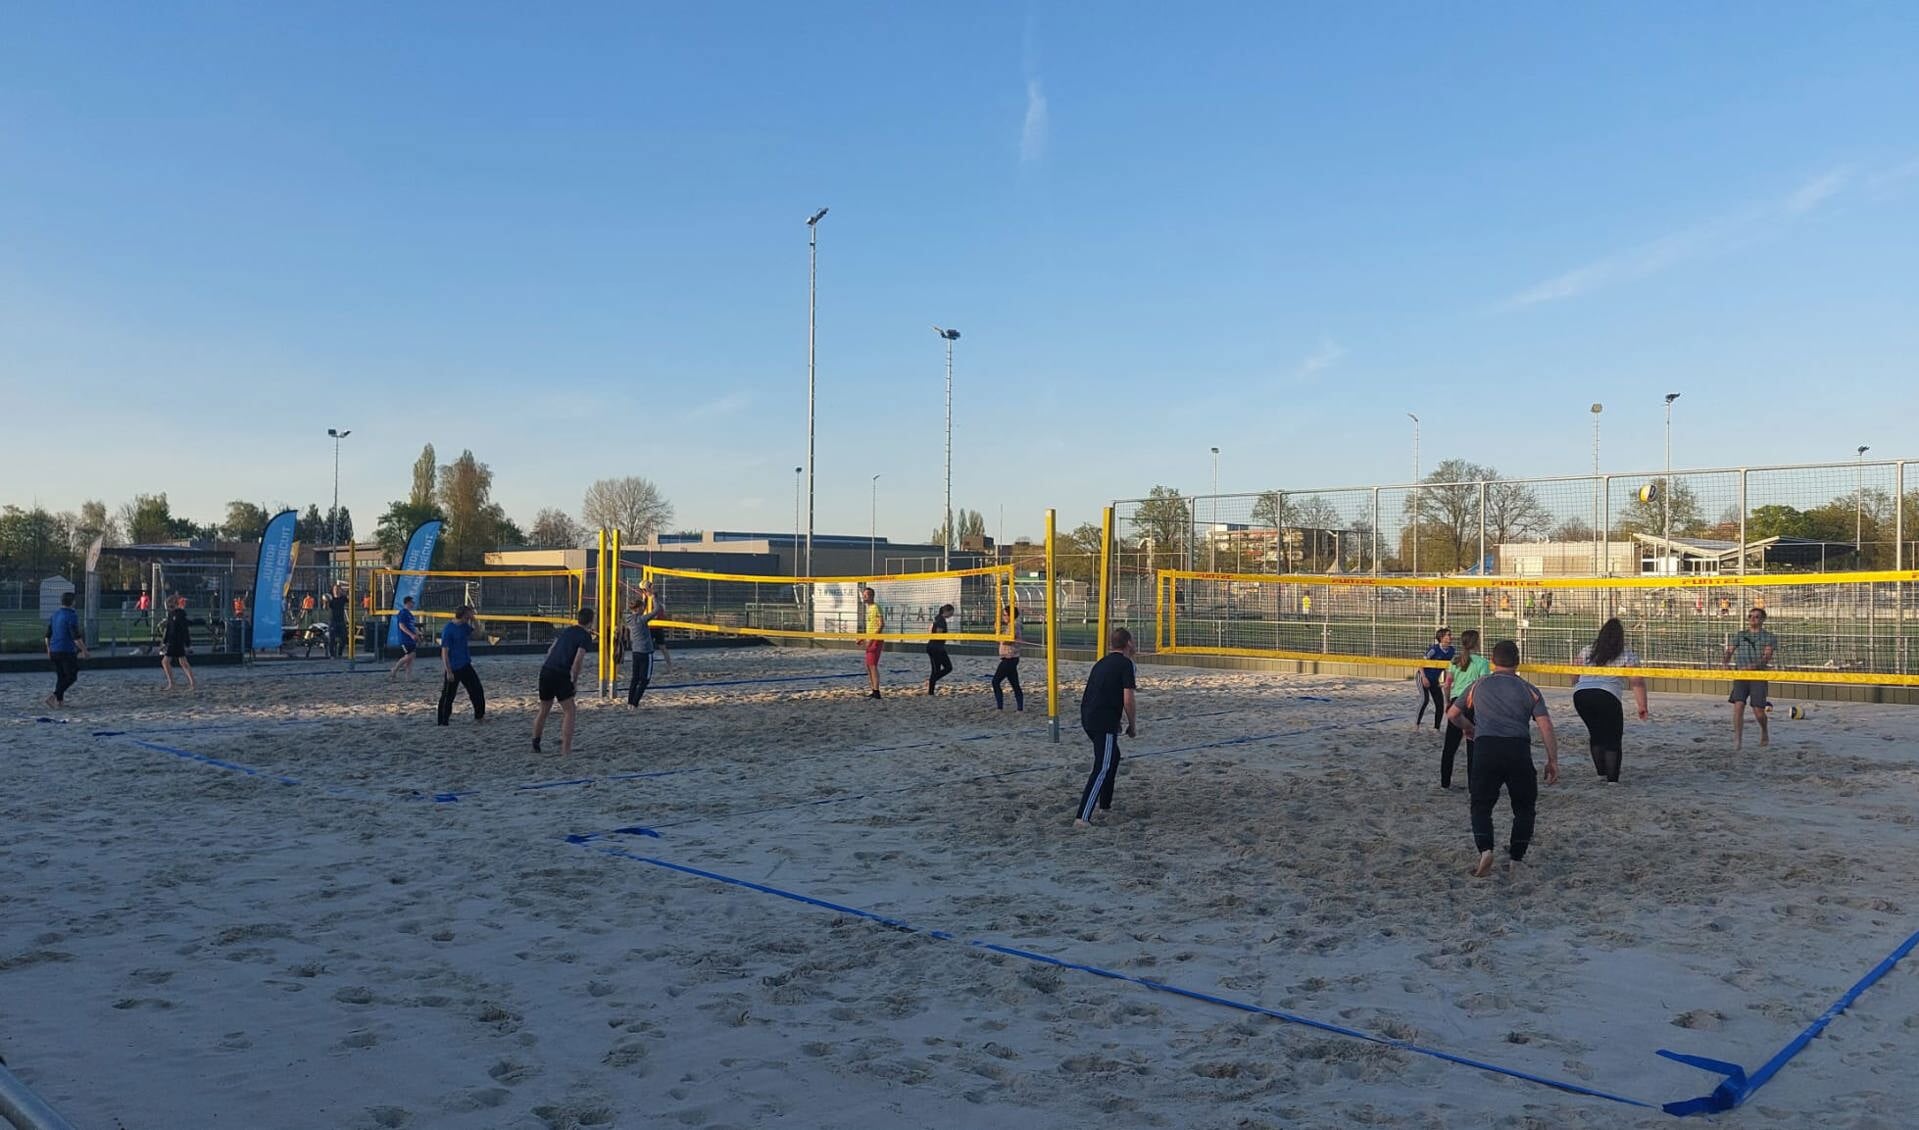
(1597, 697)
(1008, 669)
(936, 650)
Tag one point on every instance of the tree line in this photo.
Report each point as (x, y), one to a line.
(36, 542)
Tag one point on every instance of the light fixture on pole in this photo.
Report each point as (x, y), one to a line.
(873, 530)
(1665, 495)
(333, 519)
(950, 337)
(1212, 535)
(1416, 513)
(1859, 512)
(812, 294)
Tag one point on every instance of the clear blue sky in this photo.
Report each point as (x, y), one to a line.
(572, 239)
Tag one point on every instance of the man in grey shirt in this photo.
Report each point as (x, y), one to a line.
(1751, 650)
(1497, 713)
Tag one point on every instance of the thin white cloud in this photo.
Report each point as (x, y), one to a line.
(1319, 360)
(1712, 237)
(731, 404)
(1032, 134)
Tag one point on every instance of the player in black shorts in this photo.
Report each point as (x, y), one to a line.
(558, 677)
(175, 637)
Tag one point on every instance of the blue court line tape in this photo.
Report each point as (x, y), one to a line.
(216, 762)
(584, 837)
(43, 719)
(1738, 1085)
(1111, 974)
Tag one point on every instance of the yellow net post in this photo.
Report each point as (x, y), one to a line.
(352, 600)
(1052, 631)
(599, 599)
(1105, 581)
(610, 611)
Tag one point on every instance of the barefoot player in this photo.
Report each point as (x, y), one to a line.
(560, 677)
(1498, 712)
(1108, 700)
(874, 641)
(1751, 650)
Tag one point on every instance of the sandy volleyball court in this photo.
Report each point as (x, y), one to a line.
(291, 901)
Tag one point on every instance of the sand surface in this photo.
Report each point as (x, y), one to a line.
(289, 900)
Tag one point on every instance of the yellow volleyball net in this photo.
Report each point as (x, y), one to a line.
(1841, 628)
(809, 608)
(515, 605)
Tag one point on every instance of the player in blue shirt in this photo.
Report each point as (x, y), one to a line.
(1429, 677)
(66, 646)
(409, 626)
(456, 663)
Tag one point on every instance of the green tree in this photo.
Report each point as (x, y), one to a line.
(1649, 516)
(474, 522)
(402, 517)
(1165, 519)
(310, 527)
(245, 521)
(35, 540)
(970, 523)
(426, 481)
(148, 519)
(1776, 521)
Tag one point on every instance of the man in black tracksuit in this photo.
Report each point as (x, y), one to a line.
(1107, 701)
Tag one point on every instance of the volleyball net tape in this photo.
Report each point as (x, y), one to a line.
(739, 604)
(1838, 628)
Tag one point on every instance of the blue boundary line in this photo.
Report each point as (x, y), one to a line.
(1738, 1085)
(1156, 986)
(585, 837)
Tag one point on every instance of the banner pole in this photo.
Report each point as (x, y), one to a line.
(1052, 632)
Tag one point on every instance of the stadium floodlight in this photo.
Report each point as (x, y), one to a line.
(946, 551)
(812, 295)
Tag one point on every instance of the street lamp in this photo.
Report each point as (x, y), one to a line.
(1212, 536)
(1416, 514)
(333, 523)
(873, 530)
(1666, 494)
(812, 293)
(1859, 512)
(950, 336)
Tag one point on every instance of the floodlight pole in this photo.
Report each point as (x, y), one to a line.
(951, 336)
(873, 531)
(797, 570)
(333, 519)
(1212, 535)
(1859, 512)
(1416, 513)
(812, 296)
(1666, 494)
(1599, 538)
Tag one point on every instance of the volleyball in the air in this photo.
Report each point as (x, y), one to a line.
(1649, 492)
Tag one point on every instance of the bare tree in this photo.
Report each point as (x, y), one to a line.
(554, 528)
(632, 505)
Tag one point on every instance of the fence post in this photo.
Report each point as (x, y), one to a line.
(1372, 591)
(1742, 521)
(1104, 619)
(1605, 522)
(1899, 516)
